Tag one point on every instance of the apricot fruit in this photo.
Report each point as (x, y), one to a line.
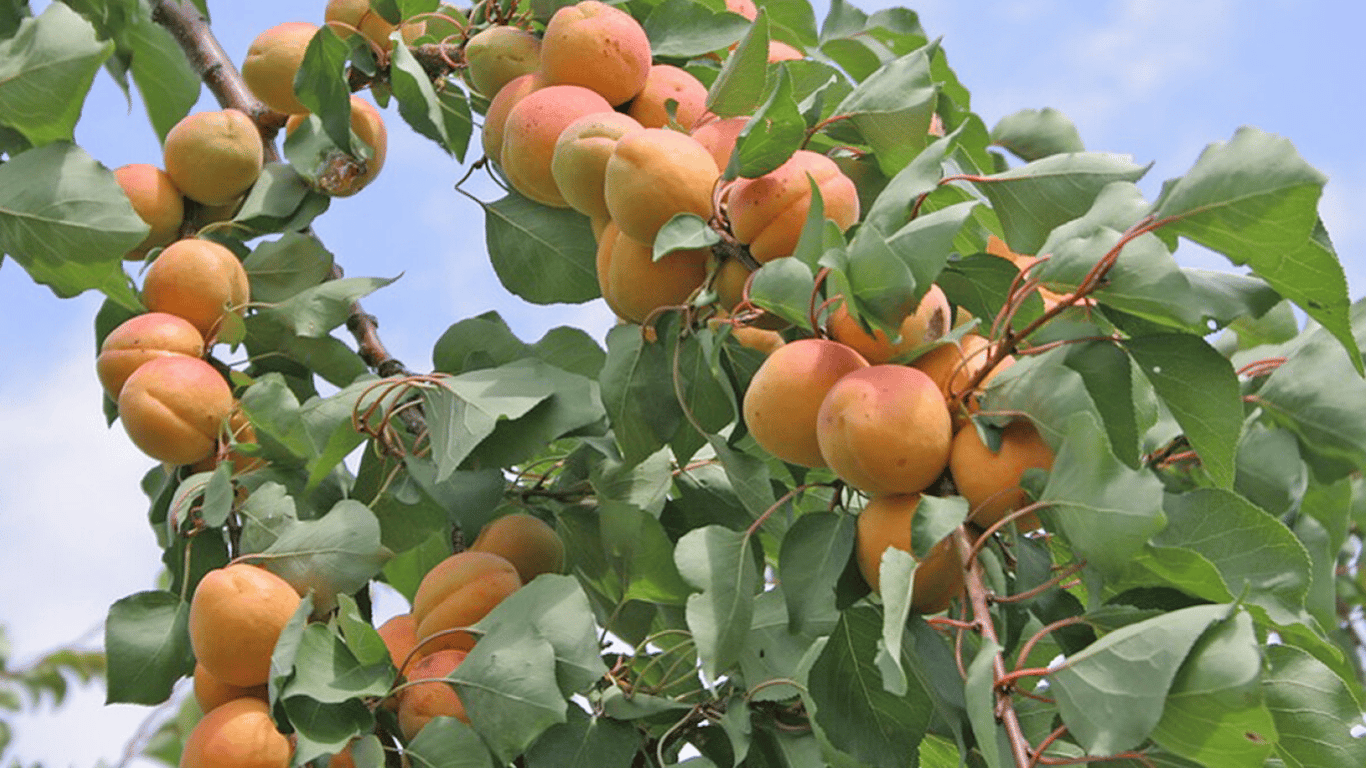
(346, 17)
(886, 522)
(143, 338)
(498, 54)
(638, 285)
(596, 46)
(885, 429)
(213, 157)
(928, 322)
(210, 692)
(240, 431)
(419, 703)
(745, 8)
(719, 137)
(497, 113)
(458, 592)
(780, 51)
(368, 125)
(785, 395)
(173, 407)
(524, 540)
(157, 201)
(238, 734)
(533, 127)
(236, 616)
(579, 164)
(757, 339)
(953, 365)
(990, 481)
(273, 60)
(399, 634)
(768, 213)
(198, 280)
(655, 174)
(664, 83)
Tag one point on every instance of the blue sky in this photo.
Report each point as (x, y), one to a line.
(1158, 79)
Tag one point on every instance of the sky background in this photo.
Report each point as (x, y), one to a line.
(1157, 79)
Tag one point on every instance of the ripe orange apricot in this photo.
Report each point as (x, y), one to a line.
(885, 430)
(953, 365)
(655, 174)
(497, 114)
(579, 165)
(400, 637)
(638, 284)
(498, 54)
(780, 51)
(157, 201)
(458, 592)
(198, 280)
(666, 82)
(927, 323)
(238, 734)
(240, 431)
(531, 131)
(418, 704)
(596, 46)
(745, 8)
(272, 62)
(757, 339)
(886, 522)
(210, 692)
(214, 156)
(236, 616)
(524, 540)
(768, 213)
(990, 481)
(142, 338)
(719, 137)
(173, 407)
(785, 395)
(368, 125)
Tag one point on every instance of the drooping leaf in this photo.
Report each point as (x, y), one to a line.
(719, 564)
(637, 390)
(815, 551)
(544, 255)
(168, 84)
(320, 84)
(686, 28)
(280, 269)
(314, 311)
(554, 608)
(891, 108)
(464, 410)
(336, 553)
(585, 741)
(1313, 708)
(507, 684)
(147, 639)
(46, 68)
(445, 742)
(771, 136)
(743, 80)
(418, 102)
(1032, 134)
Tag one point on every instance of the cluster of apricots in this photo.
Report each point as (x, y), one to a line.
(239, 611)
(581, 118)
(886, 429)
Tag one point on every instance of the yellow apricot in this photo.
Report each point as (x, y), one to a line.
(498, 54)
(607, 241)
(419, 703)
(238, 734)
(719, 137)
(210, 692)
(497, 114)
(927, 323)
(579, 165)
(990, 481)
(886, 522)
(666, 82)
(198, 280)
(953, 365)
(532, 128)
(785, 395)
(458, 592)
(157, 201)
(213, 157)
(639, 285)
(885, 430)
(173, 407)
(524, 540)
(368, 125)
(272, 62)
(768, 213)
(236, 616)
(142, 338)
(596, 46)
(655, 174)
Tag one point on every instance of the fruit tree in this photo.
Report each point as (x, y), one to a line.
(913, 443)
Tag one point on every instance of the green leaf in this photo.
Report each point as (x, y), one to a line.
(1199, 387)
(46, 69)
(980, 701)
(1214, 713)
(637, 390)
(326, 671)
(324, 729)
(1314, 710)
(555, 609)
(507, 684)
(1033, 199)
(1108, 376)
(418, 102)
(892, 108)
(168, 84)
(637, 549)
(719, 564)
(685, 28)
(147, 640)
(1255, 200)
(455, 113)
(464, 410)
(445, 742)
(980, 284)
(66, 221)
(337, 553)
(544, 255)
(315, 311)
(321, 85)
(685, 231)
(892, 207)
(1111, 694)
(1032, 134)
(743, 81)
(856, 714)
(784, 287)
(815, 551)
(1271, 473)
(769, 138)
(585, 742)
(283, 268)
